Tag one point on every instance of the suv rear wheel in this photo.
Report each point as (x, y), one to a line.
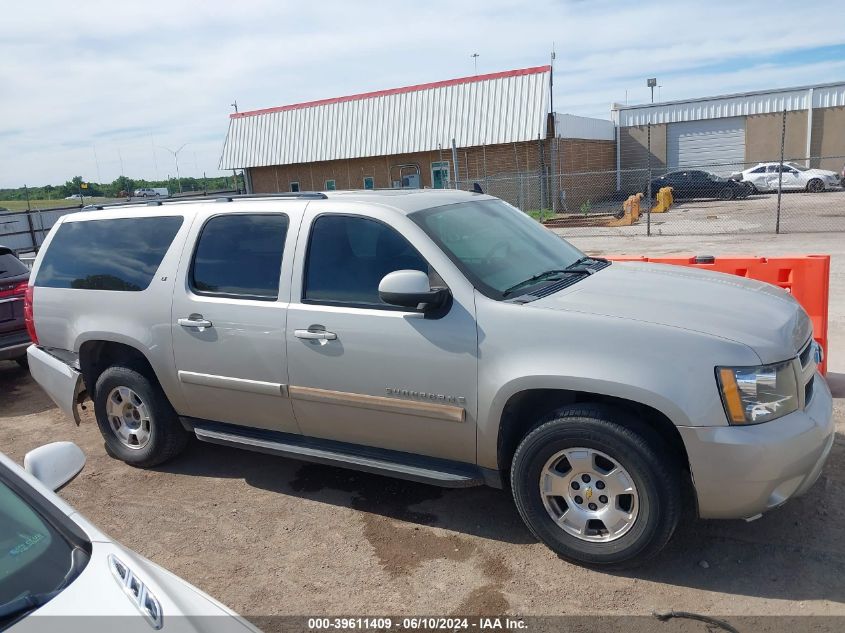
(136, 419)
(595, 491)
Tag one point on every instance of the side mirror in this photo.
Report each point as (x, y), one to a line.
(54, 465)
(410, 289)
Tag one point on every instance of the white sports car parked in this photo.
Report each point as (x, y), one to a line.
(764, 177)
(53, 562)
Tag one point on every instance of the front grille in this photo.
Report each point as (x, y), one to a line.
(808, 391)
(806, 354)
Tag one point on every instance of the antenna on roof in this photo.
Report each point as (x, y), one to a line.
(235, 105)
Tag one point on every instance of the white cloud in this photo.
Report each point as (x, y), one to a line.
(109, 77)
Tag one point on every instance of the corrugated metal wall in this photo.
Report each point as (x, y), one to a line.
(475, 112)
(829, 95)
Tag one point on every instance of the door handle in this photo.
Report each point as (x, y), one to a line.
(315, 335)
(195, 320)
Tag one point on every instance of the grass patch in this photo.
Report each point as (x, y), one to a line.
(537, 214)
(20, 205)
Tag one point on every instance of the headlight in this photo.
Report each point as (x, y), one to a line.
(758, 394)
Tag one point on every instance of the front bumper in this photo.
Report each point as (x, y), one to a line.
(62, 382)
(741, 471)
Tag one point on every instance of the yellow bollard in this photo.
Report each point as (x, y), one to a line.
(664, 200)
(630, 211)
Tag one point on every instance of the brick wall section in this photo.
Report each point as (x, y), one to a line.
(501, 164)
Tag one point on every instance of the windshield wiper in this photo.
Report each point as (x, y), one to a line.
(23, 605)
(547, 274)
(19, 607)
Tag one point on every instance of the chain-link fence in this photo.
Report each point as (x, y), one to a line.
(759, 197)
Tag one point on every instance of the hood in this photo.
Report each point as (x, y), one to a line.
(759, 315)
(98, 601)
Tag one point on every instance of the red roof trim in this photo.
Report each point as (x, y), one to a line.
(393, 91)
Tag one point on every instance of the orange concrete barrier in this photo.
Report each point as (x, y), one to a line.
(806, 277)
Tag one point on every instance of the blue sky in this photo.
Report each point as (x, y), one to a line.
(88, 86)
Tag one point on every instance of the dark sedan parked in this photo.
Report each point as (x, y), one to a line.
(694, 183)
(14, 277)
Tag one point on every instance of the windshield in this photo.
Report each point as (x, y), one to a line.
(35, 557)
(495, 245)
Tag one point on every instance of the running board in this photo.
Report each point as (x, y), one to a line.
(429, 470)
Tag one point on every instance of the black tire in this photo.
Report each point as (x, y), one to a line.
(167, 437)
(641, 453)
(815, 186)
(727, 193)
(23, 362)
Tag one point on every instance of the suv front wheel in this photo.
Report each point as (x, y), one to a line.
(135, 418)
(594, 491)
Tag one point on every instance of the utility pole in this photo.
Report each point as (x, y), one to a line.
(96, 161)
(475, 62)
(153, 149)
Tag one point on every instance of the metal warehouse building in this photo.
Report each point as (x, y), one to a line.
(500, 125)
(724, 133)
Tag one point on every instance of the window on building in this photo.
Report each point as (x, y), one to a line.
(331, 185)
(348, 256)
(369, 182)
(440, 174)
(294, 187)
(240, 256)
(121, 254)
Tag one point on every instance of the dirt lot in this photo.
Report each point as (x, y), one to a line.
(800, 212)
(272, 536)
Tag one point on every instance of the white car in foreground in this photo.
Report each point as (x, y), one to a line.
(59, 572)
(764, 177)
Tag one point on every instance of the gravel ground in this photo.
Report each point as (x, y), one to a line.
(272, 536)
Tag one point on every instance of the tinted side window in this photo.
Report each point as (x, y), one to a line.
(121, 254)
(240, 256)
(348, 257)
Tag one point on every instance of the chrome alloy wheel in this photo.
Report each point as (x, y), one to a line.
(589, 495)
(129, 417)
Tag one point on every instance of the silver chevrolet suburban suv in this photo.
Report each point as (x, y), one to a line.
(438, 336)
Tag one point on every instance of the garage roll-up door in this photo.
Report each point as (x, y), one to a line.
(717, 145)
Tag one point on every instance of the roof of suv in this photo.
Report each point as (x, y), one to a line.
(403, 200)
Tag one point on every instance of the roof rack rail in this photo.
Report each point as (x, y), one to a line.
(303, 195)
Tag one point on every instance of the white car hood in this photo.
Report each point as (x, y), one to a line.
(758, 315)
(96, 601)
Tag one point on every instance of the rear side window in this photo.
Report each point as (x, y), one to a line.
(348, 256)
(121, 254)
(11, 266)
(240, 256)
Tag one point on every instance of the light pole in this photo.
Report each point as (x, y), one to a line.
(651, 83)
(475, 57)
(176, 160)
